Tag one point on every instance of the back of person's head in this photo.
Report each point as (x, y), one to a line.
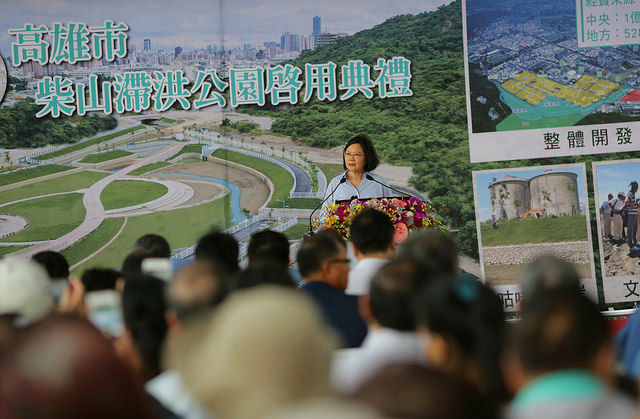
(434, 250)
(219, 248)
(132, 264)
(372, 231)
(262, 348)
(392, 291)
(559, 330)
(65, 368)
(421, 392)
(317, 249)
(144, 313)
(548, 273)
(263, 272)
(56, 265)
(467, 317)
(99, 279)
(196, 288)
(154, 244)
(24, 291)
(269, 244)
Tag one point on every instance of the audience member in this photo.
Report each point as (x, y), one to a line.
(56, 265)
(372, 238)
(24, 291)
(98, 279)
(154, 244)
(65, 368)
(219, 248)
(261, 272)
(548, 273)
(421, 392)
(324, 266)
(132, 264)
(269, 244)
(564, 355)
(388, 311)
(262, 349)
(463, 322)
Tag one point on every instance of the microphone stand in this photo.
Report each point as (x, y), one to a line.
(371, 178)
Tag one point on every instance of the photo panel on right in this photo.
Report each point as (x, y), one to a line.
(617, 199)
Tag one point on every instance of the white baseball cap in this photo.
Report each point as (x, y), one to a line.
(24, 290)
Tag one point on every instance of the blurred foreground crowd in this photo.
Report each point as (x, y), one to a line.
(371, 330)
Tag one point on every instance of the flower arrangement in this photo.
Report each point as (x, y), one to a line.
(406, 215)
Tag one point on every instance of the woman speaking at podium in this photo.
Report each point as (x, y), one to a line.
(359, 159)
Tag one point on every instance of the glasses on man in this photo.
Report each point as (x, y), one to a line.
(354, 155)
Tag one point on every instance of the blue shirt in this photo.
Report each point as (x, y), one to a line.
(367, 189)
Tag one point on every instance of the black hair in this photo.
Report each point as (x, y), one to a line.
(434, 250)
(269, 244)
(99, 279)
(469, 315)
(132, 264)
(262, 272)
(144, 307)
(316, 249)
(372, 231)
(155, 244)
(219, 248)
(55, 264)
(559, 330)
(371, 157)
(392, 291)
(207, 284)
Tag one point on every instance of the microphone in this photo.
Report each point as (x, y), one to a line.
(343, 180)
(369, 177)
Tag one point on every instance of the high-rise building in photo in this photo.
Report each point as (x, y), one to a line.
(147, 45)
(316, 25)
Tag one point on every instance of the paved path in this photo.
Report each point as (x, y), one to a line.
(95, 212)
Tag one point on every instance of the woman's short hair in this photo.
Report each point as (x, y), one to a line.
(370, 154)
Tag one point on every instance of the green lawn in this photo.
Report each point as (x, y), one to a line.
(94, 241)
(149, 167)
(125, 193)
(38, 171)
(67, 183)
(298, 231)
(189, 148)
(531, 230)
(80, 146)
(282, 180)
(49, 217)
(331, 170)
(181, 228)
(306, 203)
(107, 155)
(7, 250)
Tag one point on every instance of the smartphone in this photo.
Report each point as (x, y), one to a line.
(105, 311)
(158, 267)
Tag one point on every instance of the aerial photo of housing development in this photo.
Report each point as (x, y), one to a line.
(526, 69)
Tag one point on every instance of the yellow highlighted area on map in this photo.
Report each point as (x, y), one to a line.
(585, 82)
(531, 96)
(512, 86)
(576, 96)
(603, 87)
(545, 84)
(526, 77)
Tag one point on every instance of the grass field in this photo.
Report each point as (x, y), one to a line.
(125, 193)
(331, 170)
(94, 241)
(298, 231)
(181, 228)
(67, 183)
(107, 155)
(80, 146)
(282, 180)
(49, 217)
(305, 203)
(189, 148)
(6, 250)
(33, 173)
(149, 167)
(544, 230)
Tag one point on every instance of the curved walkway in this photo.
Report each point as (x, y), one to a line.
(95, 212)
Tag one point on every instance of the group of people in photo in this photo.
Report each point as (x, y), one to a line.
(620, 217)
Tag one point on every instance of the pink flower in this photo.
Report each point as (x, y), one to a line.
(401, 234)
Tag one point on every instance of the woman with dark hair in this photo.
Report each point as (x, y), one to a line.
(359, 159)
